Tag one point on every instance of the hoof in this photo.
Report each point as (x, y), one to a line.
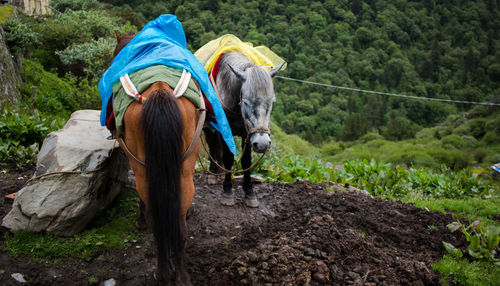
(227, 200)
(212, 180)
(252, 202)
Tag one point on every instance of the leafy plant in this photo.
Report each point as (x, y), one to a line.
(482, 241)
(21, 134)
(89, 59)
(20, 38)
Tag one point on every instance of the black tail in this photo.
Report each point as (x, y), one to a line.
(162, 124)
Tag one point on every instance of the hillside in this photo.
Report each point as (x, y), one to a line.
(437, 49)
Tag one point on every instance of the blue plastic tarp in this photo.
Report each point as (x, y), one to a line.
(162, 41)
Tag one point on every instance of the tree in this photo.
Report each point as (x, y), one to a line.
(354, 127)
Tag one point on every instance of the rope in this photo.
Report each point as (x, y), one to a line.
(72, 172)
(224, 170)
(389, 94)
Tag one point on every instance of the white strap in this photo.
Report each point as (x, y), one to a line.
(128, 86)
(179, 90)
(183, 84)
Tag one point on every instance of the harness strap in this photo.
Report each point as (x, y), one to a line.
(199, 127)
(179, 90)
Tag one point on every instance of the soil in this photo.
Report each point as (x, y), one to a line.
(300, 235)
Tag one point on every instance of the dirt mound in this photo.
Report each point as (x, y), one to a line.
(300, 235)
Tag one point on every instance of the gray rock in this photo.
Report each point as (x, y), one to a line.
(63, 204)
(110, 282)
(10, 76)
(18, 277)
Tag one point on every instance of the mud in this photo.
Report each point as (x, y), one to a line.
(302, 234)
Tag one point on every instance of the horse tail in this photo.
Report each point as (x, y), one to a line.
(162, 124)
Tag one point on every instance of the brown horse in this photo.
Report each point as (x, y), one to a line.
(158, 132)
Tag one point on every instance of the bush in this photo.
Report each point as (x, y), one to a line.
(21, 134)
(479, 155)
(19, 37)
(370, 136)
(330, 149)
(413, 158)
(477, 127)
(89, 59)
(490, 138)
(53, 95)
(470, 141)
(455, 159)
(453, 141)
(75, 5)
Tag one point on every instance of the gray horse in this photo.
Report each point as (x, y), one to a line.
(247, 94)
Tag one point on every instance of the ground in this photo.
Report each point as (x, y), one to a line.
(302, 234)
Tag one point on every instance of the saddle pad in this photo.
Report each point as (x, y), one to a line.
(144, 78)
(211, 51)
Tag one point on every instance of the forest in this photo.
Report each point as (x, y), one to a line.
(390, 140)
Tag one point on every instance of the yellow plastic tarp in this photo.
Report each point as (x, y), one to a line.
(261, 55)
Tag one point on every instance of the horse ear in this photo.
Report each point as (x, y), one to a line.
(118, 37)
(239, 73)
(275, 70)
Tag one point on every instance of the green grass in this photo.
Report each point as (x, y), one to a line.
(464, 272)
(6, 12)
(470, 208)
(112, 229)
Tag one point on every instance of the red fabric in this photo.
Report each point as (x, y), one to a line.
(210, 111)
(215, 69)
(110, 123)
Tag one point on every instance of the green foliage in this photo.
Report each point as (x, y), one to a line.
(72, 28)
(19, 37)
(21, 134)
(53, 95)
(382, 179)
(6, 12)
(463, 272)
(482, 240)
(112, 229)
(75, 5)
(90, 58)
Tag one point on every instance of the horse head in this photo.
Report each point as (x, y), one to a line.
(257, 98)
(122, 41)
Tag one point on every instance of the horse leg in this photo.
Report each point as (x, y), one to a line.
(227, 195)
(187, 192)
(214, 143)
(246, 161)
(134, 139)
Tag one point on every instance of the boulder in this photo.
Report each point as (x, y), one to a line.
(63, 204)
(10, 77)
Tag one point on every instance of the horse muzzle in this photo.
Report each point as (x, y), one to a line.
(260, 142)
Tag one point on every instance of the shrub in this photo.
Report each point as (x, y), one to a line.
(370, 136)
(479, 155)
(453, 141)
(490, 138)
(89, 59)
(64, 5)
(21, 134)
(477, 127)
(330, 148)
(469, 140)
(19, 37)
(53, 95)
(455, 159)
(413, 158)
